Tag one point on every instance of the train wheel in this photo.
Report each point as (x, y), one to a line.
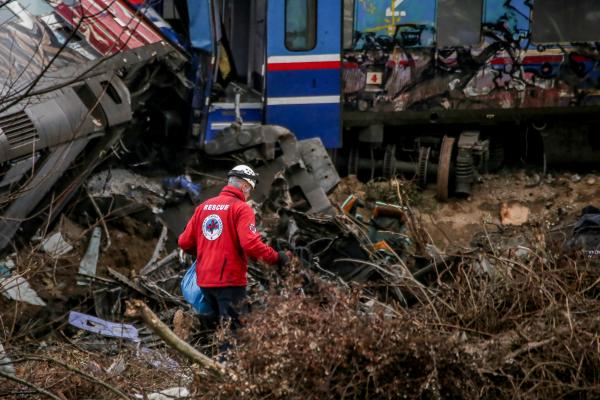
(443, 172)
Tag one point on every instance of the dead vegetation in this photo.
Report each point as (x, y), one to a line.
(527, 329)
(515, 315)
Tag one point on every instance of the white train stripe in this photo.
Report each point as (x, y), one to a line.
(222, 125)
(302, 59)
(231, 106)
(280, 101)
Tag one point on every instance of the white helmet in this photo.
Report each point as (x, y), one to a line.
(246, 173)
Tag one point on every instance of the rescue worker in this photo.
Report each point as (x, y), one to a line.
(222, 234)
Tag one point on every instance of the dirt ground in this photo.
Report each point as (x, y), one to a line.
(526, 199)
(552, 202)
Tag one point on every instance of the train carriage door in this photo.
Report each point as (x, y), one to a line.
(304, 68)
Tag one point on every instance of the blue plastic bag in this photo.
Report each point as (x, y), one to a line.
(192, 293)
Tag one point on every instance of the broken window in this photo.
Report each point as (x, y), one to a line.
(459, 22)
(566, 21)
(300, 24)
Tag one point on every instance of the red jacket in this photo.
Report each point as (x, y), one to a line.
(222, 232)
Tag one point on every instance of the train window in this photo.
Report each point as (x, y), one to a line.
(459, 22)
(565, 21)
(300, 24)
(348, 24)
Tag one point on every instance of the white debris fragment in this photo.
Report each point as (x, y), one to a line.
(17, 288)
(55, 245)
(167, 394)
(6, 365)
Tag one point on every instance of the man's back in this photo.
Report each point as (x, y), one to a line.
(222, 232)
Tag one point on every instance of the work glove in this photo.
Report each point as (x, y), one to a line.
(284, 258)
(185, 260)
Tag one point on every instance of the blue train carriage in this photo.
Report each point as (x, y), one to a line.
(429, 79)
(436, 88)
(276, 63)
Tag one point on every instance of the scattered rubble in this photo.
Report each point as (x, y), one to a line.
(374, 301)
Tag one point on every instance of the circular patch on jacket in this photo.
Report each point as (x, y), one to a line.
(212, 227)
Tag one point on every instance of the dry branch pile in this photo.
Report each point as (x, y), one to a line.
(529, 329)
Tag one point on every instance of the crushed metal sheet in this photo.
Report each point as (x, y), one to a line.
(17, 288)
(125, 183)
(55, 245)
(102, 327)
(6, 365)
(88, 263)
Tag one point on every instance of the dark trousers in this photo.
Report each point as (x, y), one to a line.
(227, 303)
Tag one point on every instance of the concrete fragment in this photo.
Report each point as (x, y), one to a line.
(513, 214)
(55, 245)
(591, 181)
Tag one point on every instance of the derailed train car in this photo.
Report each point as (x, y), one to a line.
(437, 88)
(76, 79)
(488, 74)
(89, 79)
